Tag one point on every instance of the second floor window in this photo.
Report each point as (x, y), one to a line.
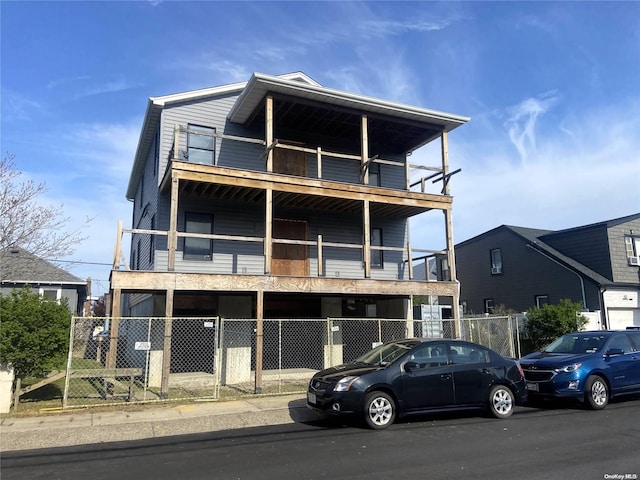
(632, 246)
(201, 145)
(374, 174)
(444, 267)
(152, 241)
(496, 261)
(198, 248)
(376, 241)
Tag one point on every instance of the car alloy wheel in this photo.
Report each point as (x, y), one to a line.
(379, 410)
(596, 393)
(501, 401)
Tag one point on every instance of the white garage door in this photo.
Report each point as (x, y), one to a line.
(621, 318)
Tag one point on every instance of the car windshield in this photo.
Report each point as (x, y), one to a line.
(383, 354)
(576, 343)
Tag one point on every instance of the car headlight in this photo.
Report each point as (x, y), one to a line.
(344, 384)
(569, 368)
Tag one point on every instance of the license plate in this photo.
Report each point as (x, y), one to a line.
(311, 397)
(533, 386)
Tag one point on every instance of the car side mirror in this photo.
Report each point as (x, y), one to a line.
(411, 366)
(614, 352)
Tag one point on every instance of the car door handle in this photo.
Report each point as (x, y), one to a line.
(486, 371)
(445, 376)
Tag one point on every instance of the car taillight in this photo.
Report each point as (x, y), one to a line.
(520, 369)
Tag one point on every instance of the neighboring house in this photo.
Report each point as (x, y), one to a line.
(279, 198)
(595, 265)
(19, 268)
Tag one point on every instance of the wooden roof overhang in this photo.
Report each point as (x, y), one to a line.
(248, 187)
(305, 112)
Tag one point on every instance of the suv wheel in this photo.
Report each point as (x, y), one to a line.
(596, 393)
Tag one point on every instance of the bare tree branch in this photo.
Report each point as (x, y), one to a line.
(25, 223)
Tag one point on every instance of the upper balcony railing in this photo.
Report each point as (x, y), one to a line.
(315, 158)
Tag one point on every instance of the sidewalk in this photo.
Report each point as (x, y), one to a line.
(77, 428)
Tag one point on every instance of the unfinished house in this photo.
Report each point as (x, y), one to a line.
(278, 198)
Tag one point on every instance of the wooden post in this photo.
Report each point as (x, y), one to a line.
(117, 253)
(268, 217)
(172, 240)
(268, 231)
(269, 131)
(319, 160)
(451, 258)
(16, 394)
(259, 330)
(112, 355)
(445, 163)
(366, 231)
(409, 261)
(320, 267)
(364, 150)
(407, 172)
(166, 349)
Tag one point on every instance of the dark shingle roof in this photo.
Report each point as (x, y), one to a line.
(533, 236)
(19, 266)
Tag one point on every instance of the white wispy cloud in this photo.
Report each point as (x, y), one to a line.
(589, 176)
(18, 107)
(115, 85)
(521, 123)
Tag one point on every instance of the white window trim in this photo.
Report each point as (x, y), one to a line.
(58, 291)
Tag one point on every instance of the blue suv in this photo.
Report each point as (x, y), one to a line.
(590, 366)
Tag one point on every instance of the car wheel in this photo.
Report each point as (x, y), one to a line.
(501, 401)
(596, 393)
(379, 410)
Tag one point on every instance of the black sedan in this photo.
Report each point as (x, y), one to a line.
(416, 376)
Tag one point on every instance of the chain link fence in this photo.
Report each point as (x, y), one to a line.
(146, 359)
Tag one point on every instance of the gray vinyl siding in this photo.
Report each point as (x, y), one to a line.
(145, 206)
(239, 257)
(212, 113)
(526, 274)
(622, 271)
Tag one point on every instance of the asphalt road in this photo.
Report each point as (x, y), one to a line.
(563, 442)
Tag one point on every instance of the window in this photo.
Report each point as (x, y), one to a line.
(542, 300)
(141, 190)
(469, 354)
(622, 342)
(152, 242)
(374, 174)
(156, 156)
(496, 261)
(198, 248)
(444, 267)
(632, 246)
(430, 355)
(376, 240)
(489, 305)
(139, 250)
(201, 145)
(50, 294)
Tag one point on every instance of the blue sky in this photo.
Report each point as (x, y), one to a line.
(552, 89)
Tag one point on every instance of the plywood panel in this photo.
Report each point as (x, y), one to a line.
(290, 260)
